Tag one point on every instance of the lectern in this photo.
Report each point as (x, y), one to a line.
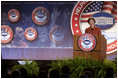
(98, 52)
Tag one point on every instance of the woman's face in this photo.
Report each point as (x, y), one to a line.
(91, 23)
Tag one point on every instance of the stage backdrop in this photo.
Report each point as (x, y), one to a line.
(54, 34)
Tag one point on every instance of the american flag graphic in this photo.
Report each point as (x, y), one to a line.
(99, 6)
(114, 12)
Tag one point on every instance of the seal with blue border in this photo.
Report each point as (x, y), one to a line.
(30, 34)
(87, 42)
(40, 16)
(13, 15)
(6, 34)
(57, 35)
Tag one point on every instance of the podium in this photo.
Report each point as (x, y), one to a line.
(98, 53)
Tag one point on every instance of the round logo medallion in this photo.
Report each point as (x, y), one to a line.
(30, 34)
(87, 42)
(13, 15)
(57, 35)
(40, 16)
(104, 20)
(6, 34)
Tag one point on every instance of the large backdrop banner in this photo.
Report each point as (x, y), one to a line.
(43, 30)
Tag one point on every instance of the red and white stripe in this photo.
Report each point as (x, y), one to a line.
(114, 12)
(107, 7)
(85, 16)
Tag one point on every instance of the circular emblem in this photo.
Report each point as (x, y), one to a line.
(30, 34)
(57, 35)
(105, 14)
(87, 42)
(6, 34)
(13, 15)
(104, 20)
(40, 16)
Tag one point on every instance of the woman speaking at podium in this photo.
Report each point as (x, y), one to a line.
(93, 29)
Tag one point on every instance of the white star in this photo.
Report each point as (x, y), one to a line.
(77, 31)
(100, 6)
(91, 5)
(86, 10)
(90, 9)
(76, 18)
(76, 25)
(101, 2)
